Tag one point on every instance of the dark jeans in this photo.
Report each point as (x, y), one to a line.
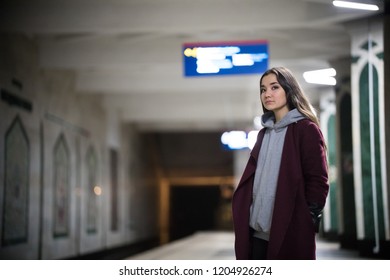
(259, 249)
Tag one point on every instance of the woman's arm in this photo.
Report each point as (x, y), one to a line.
(315, 169)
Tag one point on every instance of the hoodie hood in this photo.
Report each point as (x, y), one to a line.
(268, 119)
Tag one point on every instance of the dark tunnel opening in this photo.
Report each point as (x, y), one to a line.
(193, 208)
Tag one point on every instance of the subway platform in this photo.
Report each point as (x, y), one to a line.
(218, 245)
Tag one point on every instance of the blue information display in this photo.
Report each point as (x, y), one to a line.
(225, 58)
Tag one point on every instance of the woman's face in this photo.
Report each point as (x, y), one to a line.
(273, 96)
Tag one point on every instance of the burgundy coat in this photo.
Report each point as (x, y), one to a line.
(303, 178)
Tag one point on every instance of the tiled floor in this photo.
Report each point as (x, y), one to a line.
(219, 246)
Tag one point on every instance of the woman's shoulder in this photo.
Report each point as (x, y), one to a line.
(307, 127)
(305, 123)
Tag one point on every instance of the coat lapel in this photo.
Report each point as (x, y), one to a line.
(290, 175)
(252, 162)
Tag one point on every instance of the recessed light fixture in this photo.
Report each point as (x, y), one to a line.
(322, 76)
(355, 5)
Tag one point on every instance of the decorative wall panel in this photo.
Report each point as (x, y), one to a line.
(16, 183)
(92, 206)
(61, 184)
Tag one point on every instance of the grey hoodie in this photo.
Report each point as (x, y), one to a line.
(267, 171)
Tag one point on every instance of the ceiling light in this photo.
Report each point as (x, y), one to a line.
(355, 5)
(322, 77)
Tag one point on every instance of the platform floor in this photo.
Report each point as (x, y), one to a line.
(219, 246)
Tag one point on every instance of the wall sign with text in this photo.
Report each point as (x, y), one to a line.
(225, 58)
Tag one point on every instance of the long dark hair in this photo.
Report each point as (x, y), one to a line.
(296, 98)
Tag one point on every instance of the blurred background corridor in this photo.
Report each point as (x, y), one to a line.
(119, 141)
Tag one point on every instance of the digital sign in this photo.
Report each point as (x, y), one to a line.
(238, 139)
(225, 58)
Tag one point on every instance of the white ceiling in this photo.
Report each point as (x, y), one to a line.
(130, 51)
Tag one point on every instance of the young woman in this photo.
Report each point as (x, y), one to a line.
(278, 203)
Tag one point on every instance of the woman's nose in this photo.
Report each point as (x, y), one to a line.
(266, 93)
